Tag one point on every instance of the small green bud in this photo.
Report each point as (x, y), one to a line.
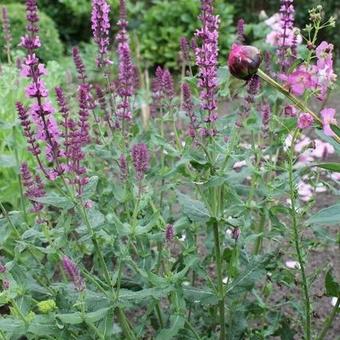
(46, 306)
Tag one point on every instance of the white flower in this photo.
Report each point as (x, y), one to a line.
(334, 300)
(225, 280)
(183, 238)
(320, 187)
(293, 264)
(239, 165)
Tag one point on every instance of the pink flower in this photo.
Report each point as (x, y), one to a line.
(335, 176)
(305, 121)
(305, 191)
(328, 118)
(290, 110)
(302, 144)
(324, 54)
(298, 81)
(37, 89)
(322, 149)
(305, 159)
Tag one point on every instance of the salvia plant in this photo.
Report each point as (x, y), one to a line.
(155, 211)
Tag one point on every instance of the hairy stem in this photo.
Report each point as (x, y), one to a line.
(298, 247)
(218, 259)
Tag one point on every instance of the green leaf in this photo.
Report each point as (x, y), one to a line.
(176, 324)
(196, 211)
(7, 161)
(332, 287)
(91, 187)
(55, 200)
(330, 166)
(330, 215)
(250, 275)
(98, 314)
(43, 325)
(143, 295)
(335, 129)
(70, 318)
(13, 326)
(202, 296)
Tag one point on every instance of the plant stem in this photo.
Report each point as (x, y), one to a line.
(219, 279)
(121, 315)
(296, 236)
(329, 320)
(192, 329)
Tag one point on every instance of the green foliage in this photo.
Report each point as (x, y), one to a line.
(165, 22)
(52, 48)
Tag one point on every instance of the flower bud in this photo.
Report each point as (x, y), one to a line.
(244, 61)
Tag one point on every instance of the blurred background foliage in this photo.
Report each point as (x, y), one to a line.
(156, 25)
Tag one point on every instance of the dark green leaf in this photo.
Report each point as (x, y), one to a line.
(330, 166)
(332, 287)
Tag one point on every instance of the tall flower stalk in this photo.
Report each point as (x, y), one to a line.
(7, 35)
(41, 110)
(206, 60)
(126, 72)
(297, 239)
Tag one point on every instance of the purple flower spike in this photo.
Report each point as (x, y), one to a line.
(169, 232)
(101, 28)
(140, 157)
(240, 31)
(185, 49)
(34, 188)
(253, 87)
(73, 273)
(189, 110)
(41, 110)
(126, 73)
(28, 132)
(123, 168)
(78, 62)
(168, 84)
(265, 113)
(287, 14)
(6, 31)
(206, 60)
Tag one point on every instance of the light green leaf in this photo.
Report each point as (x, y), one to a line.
(142, 295)
(90, 187)
(195, 210)
(70, 318)
(55, 200)
(7, 161)
(43, 325)
(202, 296)
(330, 215)
(176, 324)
